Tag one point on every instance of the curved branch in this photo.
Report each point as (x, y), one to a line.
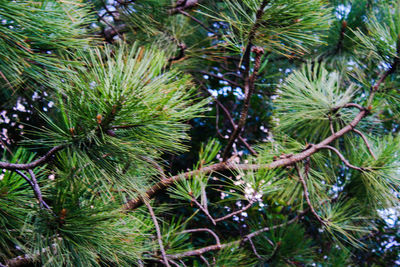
(228, 165)
(217, 241)
(203, 209)
(200, 251)
(343, 159)
(159, 236)
(38, 162)
(354, 105)
(228, 115)
(307, 195)
(366, 142)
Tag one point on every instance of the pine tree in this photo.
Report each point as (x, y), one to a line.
(199, 133)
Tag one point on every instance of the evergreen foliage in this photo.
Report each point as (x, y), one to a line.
(199, 133)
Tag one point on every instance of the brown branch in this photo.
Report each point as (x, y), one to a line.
(228, 165)
(182, 5)
(343, 159)
(204, 260)
(204, 210)
(217, 241)
(26, 259)
(331, 124)
(126, 2)
(37, 191)
(159, 236)
(46, 158)
(307, 195)
(254, 248)
(248, 88)
(200, 251)
(366, 142)
(228, 115)
(354, 105)
(251, 36)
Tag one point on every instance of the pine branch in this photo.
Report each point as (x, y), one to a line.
(234, 126)
(343, 159)
(227, 165)
(249, 88)
(217, 240)
(307, 195)
(204, 210)
(45, 159)
(254, 248)
(200, 251)
(204, 260)
(366, 142)
(159, 236)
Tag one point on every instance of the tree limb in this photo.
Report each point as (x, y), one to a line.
(46, 158)
(366, 142)
(217, 241)
(307, 195)
(228, 165)
(159, 236)
(343, 159)
(249, 88)
(200, 251)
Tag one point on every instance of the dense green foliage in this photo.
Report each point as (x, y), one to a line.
(200, 133)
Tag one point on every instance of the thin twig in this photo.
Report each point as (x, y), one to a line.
(331, 124)
(200, 251)
(254, 248)
(204, 260)
(159, 236)
(384, 75)
(35, 187)
(343, 159)
(354, 105)
(204, 200)
(248, 88)
(217, 241)
(228, 115)
(37, 190)
(366, 142)
(204, 210)
(307, 195)
(31, 165)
